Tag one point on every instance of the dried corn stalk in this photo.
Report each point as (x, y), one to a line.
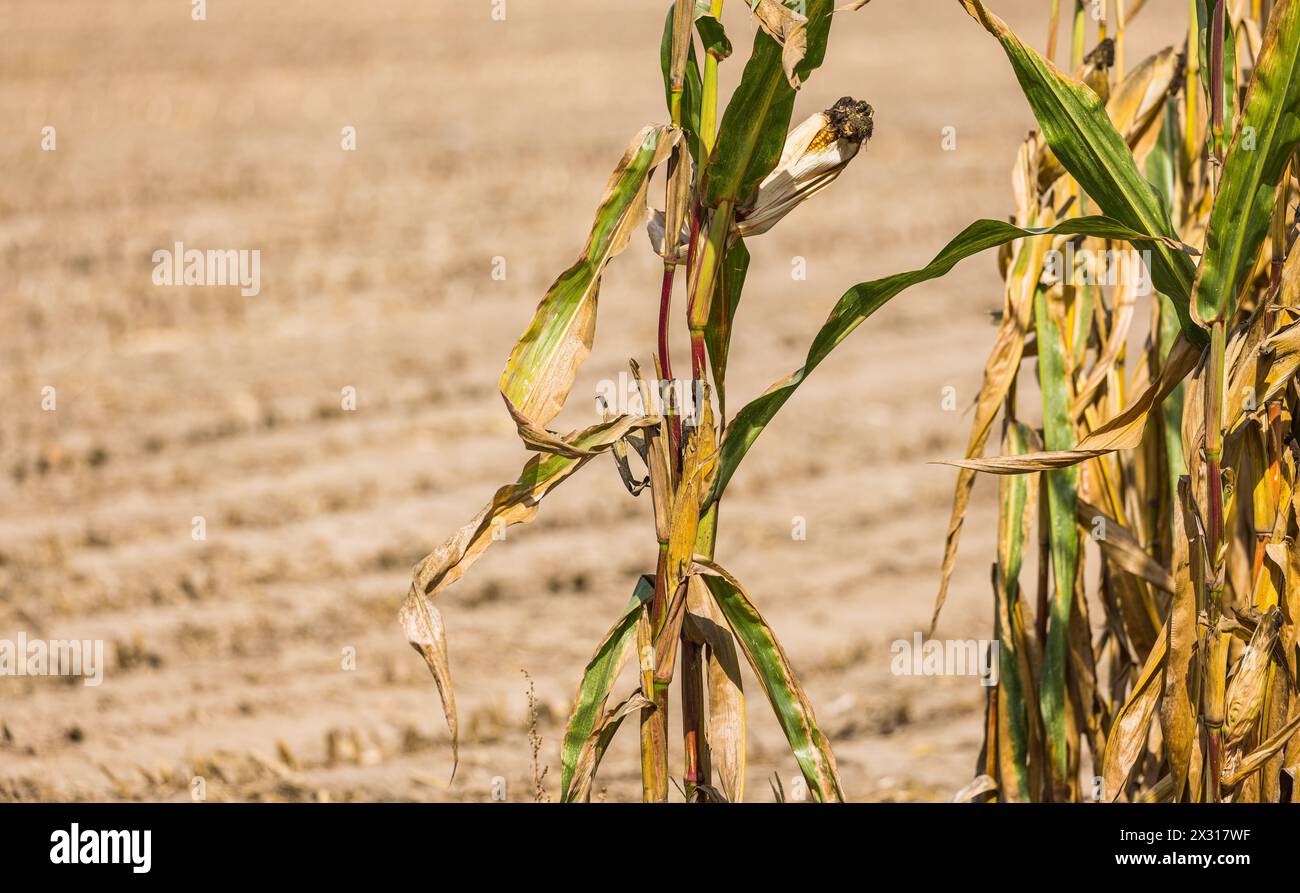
(1183, 454)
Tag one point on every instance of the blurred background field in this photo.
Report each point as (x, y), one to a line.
(476, 139)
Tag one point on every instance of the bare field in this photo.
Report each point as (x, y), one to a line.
(224, 657)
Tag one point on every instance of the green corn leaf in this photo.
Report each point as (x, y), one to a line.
(598, 679)
(1162, 171)
(722, 314)
(712, 36)
(757, 118)
(1081, 135)
(864, 299)
(1062, 487)
(772, 667)
(1017, 501)
(1171, 410)
(1162, 160)
(1257, 159)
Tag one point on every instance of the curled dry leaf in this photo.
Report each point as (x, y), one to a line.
(631, 483)
(786, 27)
(979, 786)
(1121, 547)
(1124, 432)
(422, 623)
(515, 503)
(655, 230)
(1282, 352)
(543, 365)
(726, 735)
(1128, 734)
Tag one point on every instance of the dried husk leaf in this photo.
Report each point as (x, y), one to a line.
(1128, 734)
(1121, 547)
(1246, 364)
(726, 729)
(797, 177)
(978, 787)
(1291, 605)
(1282, 350)
(699, 459)
(1181, 690)
(593, 749)
(1289, 295)
(1234, 771)
(1245, 697)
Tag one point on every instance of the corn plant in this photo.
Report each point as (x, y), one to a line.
(726, 183)
(1159, 489)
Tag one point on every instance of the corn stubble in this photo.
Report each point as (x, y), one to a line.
(1164, 658)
